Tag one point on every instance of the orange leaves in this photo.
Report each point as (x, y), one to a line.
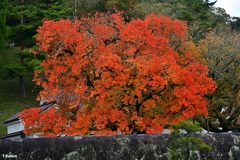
(30, 118)
(100, 121)
(156, 81)
(47, 123)
(194, 85)
(134, 76)
(166, 27)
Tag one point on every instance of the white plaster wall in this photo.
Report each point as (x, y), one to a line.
(15, 126)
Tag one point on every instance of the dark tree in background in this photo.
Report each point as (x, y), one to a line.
(235, 23)
(23, 18)
(3, 28)
(220, 50)
(199, 15)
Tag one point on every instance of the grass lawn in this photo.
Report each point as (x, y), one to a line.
(10, 100)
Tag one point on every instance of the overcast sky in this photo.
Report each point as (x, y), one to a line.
(232, 7)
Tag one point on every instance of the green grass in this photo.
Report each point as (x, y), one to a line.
(10, 99)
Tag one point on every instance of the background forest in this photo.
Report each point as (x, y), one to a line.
(213, 31)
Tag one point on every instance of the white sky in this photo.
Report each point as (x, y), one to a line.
(232, 7)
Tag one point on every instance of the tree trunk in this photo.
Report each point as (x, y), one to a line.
(22, 87)
(21, 77)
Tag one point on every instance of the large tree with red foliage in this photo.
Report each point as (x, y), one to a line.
(110, 76)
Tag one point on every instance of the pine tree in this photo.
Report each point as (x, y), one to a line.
(184, 143)
(198, 15)
(23, 18)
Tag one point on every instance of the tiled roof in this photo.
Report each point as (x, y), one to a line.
(43, 107)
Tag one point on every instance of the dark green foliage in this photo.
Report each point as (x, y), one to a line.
(222, 16)
(184, 144)
(235, 24)
(23, 18)
(124, 5)
(86, 7)
(140, 10)
(195, 10)
(12, 66)
(3, 28)
(198, 14)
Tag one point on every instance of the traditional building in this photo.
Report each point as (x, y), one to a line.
(15, 125)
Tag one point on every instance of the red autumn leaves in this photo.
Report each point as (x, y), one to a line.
(126, 76)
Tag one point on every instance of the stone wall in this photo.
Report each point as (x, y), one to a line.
(122, 147)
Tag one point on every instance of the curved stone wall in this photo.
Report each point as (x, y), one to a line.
(121, 147)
